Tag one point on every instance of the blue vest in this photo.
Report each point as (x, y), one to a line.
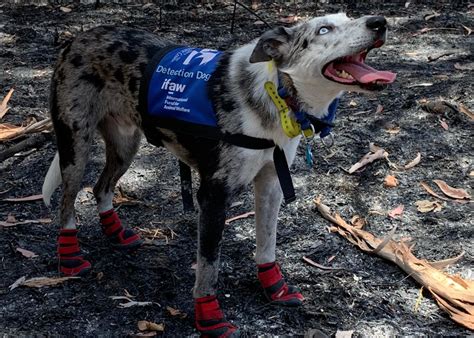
(178, 88)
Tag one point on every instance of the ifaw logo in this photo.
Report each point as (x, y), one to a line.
(205, 55)
(172, 86)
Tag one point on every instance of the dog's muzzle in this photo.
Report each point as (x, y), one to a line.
(352, 69)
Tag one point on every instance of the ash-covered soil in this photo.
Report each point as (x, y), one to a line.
(364, 293)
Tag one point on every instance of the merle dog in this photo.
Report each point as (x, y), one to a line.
(96, 86)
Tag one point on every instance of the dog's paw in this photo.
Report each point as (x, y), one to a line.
(120, 237)
(277, 291)
(71, 261)
(210, 320)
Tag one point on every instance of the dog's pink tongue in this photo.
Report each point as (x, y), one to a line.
(365, 74)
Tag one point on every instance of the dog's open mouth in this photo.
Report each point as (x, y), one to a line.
(352, 70)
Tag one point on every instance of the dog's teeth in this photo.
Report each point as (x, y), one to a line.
(343, 74)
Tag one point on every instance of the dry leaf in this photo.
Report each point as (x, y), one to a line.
(26, 253)
(453, 294)
(65, 9)
(379, 109)
(39, 282)
(456, 193)
(24, 199)
(244, 215)
(317, 265)
(390, 181)
(4, 105)
(176, 312)
(145, 334)
(397, 211)
(374, 154)
(144, 325)
(358, 221)
(468, 30)
(8, 130)
(121, 198)
(425, 206)
(394, 129)
(467, 66)
(431, 16)
(10, 223)
(413, 163)
(466, 111)
(352, 103)
(444, 125)
(289, 19)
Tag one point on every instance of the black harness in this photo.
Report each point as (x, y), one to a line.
(151, 123)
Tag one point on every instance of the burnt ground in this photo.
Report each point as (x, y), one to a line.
(365, 293)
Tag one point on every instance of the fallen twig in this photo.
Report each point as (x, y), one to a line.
(7, 224)
(374, 154)
(39, 282)
(130, 302)
(33, 141)
(317, 265)
(11, 132)
(437, 57)
(244, 215)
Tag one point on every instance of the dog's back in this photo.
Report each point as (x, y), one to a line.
(95, 85)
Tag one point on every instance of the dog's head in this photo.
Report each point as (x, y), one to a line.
(327, 54)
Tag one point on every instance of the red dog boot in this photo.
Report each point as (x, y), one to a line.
(210, 320)
(71, 262)
(276, 289)
(120, 237)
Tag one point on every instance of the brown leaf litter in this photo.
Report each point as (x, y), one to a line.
(39, 282)
(453, 294)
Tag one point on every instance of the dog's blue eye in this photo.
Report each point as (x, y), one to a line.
(324, 30)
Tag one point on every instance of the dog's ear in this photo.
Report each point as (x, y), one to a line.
(271, 46)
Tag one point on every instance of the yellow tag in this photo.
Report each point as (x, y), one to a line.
(308, 133)
(289, 125)
(270, 65)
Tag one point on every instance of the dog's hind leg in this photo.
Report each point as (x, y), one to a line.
(268, 197)
(122, 138)
(73, 140)
(213, 199)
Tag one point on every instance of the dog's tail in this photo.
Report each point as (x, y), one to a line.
(52, 180)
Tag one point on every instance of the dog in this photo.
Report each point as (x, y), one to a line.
(96, 85)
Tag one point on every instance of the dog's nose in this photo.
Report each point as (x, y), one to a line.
(376, 23)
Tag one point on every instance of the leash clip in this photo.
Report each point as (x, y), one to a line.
(328, 143)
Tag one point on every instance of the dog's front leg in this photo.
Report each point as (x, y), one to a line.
(268, 197)
(213, 198)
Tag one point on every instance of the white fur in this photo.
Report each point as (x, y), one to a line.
(52, 180)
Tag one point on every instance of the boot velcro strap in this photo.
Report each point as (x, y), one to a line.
(207, 308)
(270, 277)
(67, 239)
(106, 214)
(66, 250)
(109, 217)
